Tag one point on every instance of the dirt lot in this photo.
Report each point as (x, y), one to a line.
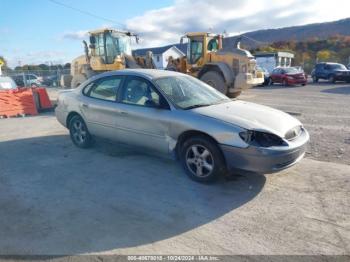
(112, 199)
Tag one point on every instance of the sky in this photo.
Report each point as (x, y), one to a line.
(51, 31)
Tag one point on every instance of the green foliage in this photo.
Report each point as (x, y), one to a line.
(309, 52)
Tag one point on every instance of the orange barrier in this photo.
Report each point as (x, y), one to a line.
(23, 101)
(44, 99)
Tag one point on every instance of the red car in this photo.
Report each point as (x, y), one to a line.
(288, 76)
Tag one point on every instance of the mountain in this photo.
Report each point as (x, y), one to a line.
(298, 33)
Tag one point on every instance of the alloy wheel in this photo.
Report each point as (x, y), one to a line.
(199, 161)
(79, 131)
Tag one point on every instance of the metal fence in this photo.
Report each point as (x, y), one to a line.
(28, 78)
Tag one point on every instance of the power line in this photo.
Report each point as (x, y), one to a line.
(86, 13)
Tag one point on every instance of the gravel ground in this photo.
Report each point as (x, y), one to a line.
(323, 108)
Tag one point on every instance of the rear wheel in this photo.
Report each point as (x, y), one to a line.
(215, 80)
(234, 94)
(77, 80)
(202, 159)
(79, 132)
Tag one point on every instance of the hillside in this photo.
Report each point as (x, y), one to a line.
(296, 33)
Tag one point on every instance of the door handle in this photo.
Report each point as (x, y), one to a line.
(84, 105)
(123, 113)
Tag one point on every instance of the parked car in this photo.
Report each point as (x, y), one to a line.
(27, 80)
(170, 112)
(288, 76)
(7, 83)
(330, 71)
(50, 80)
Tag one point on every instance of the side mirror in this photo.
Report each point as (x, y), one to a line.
(152, 103)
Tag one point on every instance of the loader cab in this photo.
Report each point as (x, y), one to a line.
(109, 44)
(199, 45)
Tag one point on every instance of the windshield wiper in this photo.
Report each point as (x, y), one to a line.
(197, 105)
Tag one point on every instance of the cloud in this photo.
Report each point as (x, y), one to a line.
(166, 25)
(78, 35)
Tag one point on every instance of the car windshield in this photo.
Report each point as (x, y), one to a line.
(187, 92)
(338, 66)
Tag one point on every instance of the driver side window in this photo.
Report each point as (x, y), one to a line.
(138, 91)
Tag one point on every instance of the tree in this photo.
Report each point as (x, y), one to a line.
(323, 55)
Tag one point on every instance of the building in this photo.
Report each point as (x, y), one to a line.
(270, 60)
(161, 54)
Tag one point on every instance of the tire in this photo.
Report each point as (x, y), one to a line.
(66, 81)
(234, 94)
(193, 160)
(284, 82)
(77, 80)
(215, 80)
(79, 132)
(314, 79)
(331, 79)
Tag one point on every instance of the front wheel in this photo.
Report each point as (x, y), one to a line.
(215, 80)
(202, 159)
(331, 79)
(79, 132)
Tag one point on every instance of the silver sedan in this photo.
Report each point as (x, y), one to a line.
(176, 114)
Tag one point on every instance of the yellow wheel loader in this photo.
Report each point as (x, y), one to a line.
(229, 72)
(108, 50)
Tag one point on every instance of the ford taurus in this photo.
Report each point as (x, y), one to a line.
(173, 113)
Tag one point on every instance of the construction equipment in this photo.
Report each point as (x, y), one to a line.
(108, 50)
(230, 72)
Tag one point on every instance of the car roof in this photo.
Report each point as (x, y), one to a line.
(146, 73)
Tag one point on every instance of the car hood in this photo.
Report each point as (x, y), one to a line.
(251, 116)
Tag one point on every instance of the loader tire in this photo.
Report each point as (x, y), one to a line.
(234, 94)
(215, 80)
(78, 80)
(66, 81)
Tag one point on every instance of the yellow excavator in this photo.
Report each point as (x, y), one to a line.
(108, 50)
(230, 72)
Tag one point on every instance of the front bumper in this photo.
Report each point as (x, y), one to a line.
(296, 81)
(342, 78)
(265, 160)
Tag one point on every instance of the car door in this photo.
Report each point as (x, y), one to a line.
(99, 108)
(276, 75)
(281, 75)
(145, 116)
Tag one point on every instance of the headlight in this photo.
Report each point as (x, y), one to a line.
(262, 139)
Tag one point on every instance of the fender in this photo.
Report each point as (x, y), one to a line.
(220, 67)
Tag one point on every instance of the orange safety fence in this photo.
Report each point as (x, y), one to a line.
(23, 101)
